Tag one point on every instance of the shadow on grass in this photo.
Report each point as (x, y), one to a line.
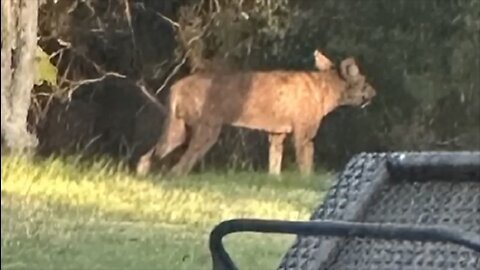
(290, 178)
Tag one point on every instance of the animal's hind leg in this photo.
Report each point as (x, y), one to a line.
(173, 136)
(144, 163)
(275, 152)
(203, 138)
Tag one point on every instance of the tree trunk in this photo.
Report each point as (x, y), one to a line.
(19, 39)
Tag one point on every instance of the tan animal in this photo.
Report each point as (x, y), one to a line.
(277, 102)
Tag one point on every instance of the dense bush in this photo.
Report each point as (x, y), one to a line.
(422, 56)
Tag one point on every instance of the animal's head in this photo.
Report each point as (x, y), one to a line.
(358, 91)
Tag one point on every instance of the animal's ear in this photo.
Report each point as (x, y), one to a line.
(349, 68)
(321, 61)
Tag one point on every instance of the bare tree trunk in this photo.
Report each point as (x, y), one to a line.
(19, 39)
(8, 42)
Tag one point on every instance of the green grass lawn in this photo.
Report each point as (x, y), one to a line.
(58, 215)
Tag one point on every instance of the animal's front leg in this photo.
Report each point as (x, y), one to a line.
(275, 153)
(303, 140)
(304, 155)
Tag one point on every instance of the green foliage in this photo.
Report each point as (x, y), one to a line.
(45, 71)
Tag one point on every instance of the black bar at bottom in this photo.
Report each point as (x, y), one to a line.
(222, 261)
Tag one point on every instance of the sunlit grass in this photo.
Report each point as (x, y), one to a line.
(58, 210)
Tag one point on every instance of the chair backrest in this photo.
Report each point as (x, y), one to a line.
(424, 188)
